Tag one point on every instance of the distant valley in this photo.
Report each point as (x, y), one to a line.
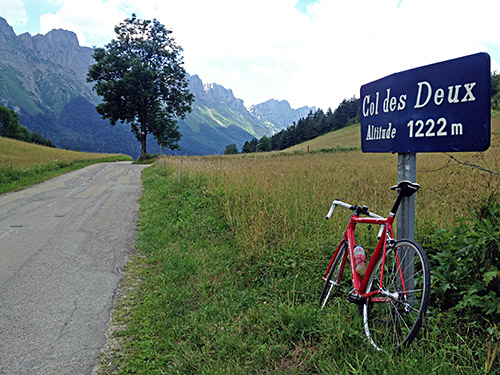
(43, 79)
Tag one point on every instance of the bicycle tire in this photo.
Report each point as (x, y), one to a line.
(334, 270)
(394, 323)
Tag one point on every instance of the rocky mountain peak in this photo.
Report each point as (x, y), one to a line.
(7, 35)
(43, 77)
(51, 68)
(213, 93)
(279, 112)
(195, 85)
(62, 47)
(5, 28)
(56, 40)
(220, 93)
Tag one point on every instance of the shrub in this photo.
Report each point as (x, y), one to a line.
(465, 266)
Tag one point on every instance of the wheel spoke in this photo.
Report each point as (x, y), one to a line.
(333, 279)
(393, 322)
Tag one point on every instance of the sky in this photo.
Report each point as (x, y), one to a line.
(308, 52)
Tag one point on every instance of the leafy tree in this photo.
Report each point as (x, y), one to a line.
(264, 144)
(41, 140)
(277, 140)
(142, 82)
(250, 147)
(230, 149)
(9, 126)
(495, 91)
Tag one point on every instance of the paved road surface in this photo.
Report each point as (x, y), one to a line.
(62, 246)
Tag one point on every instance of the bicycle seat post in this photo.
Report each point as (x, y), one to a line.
(405, 189)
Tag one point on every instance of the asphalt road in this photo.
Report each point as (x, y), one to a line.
(63, 244)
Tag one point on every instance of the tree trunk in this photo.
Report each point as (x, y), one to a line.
(144, 152)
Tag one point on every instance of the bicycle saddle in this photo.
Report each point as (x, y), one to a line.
(406, 188)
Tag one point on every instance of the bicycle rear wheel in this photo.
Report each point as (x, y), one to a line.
(392, 319)
(332, 281)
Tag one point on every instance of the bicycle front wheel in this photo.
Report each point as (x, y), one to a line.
(332, 281)
(392, 318)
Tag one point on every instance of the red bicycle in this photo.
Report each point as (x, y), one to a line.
(392, 290)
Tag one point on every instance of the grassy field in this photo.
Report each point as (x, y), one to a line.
(23, 164)
(346, 137)
(228, 273)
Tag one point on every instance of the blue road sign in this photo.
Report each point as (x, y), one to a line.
(443, 107)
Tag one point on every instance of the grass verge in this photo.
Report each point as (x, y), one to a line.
(15, 178)
(199, 300)
(24, 164)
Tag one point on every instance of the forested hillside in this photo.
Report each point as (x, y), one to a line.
(312, 126)
(10, 128)
(319, 123)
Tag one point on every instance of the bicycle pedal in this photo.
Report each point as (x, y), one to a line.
(356, 298)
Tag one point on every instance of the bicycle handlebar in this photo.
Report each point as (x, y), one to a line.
(336, 202)
(405, 188)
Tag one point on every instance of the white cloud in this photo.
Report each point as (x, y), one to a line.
(14, 12)
(266, 49)
(355, 42)
(240, 31)
(218, 28)
(90, 19)
(214, 74)
(267, 71)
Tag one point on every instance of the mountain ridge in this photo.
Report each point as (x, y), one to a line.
(279, 112)
(43, 78)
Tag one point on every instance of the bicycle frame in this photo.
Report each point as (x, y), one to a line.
(387, 232)
(393, 293)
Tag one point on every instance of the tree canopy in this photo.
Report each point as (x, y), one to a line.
(250, 147)
(142, 82)
(495, 91)
(231, 149)
(10, 128)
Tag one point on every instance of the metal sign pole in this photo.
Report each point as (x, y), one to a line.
(407, 165)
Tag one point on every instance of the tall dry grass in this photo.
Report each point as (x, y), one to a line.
(17, 154)
(278, 200)
(24, 164)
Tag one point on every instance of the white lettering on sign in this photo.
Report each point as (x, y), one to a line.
(391, 103)
(430, 128)
(456, 94)
(426, 94)
(376, 133)
(370, 108)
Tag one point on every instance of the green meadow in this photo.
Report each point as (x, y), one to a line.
(231, 251)
(23, 164)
